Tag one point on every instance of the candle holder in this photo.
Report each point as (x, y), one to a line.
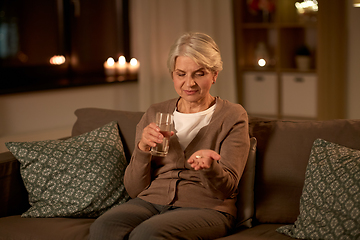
(109, 67)
(121, 70)
(121, 66)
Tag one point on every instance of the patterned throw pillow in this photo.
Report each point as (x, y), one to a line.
(78, 177)
(330, 201)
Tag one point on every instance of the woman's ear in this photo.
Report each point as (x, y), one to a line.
(215, 75)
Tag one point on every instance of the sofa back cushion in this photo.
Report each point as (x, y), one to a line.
(283, 151)
(89, 119)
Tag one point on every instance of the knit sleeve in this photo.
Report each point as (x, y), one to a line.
(138, 172)
(223, 177)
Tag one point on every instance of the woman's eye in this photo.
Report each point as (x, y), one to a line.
(199, 74)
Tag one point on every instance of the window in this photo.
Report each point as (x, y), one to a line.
(85, 32)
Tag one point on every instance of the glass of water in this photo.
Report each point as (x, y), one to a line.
(165, 122)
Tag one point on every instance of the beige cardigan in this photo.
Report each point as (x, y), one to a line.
(171, 181)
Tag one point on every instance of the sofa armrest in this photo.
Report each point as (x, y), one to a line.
(14, 197)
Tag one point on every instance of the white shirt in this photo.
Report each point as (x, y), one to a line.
(187, 125)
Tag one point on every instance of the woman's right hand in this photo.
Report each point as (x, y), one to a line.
(150, 137)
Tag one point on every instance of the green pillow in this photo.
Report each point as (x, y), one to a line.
(330, 201)
(78, 177)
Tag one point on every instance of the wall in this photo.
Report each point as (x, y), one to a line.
(353, 78)
(154, 27)
(50, 114)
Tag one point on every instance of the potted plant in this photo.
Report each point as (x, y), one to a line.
(302, 58)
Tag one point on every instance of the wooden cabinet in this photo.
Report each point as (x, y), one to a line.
(260, 93)
(277, 35)
(299, 95)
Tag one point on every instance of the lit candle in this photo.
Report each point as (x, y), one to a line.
(261, 55)
(121, 66)
(57, 60)
(134, 66)
(109, 67)
(262, 62)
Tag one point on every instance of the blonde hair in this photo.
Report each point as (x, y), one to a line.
(199, 47)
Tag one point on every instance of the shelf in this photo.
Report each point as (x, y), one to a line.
(281, 70)
(295, 70)
(258, 25)
(297, 25)
(27, 85)
(258, 69)
(283, 34)
(278, 25)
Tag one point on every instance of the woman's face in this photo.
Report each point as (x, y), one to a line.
(191, 81)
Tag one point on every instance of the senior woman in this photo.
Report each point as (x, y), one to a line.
(190, 193)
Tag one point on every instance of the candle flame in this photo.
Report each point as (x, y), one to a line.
(57, 60)
(133, 62)
(262, 62)
(122, 60)
(110, 61)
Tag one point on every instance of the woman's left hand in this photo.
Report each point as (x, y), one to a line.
(203, 159)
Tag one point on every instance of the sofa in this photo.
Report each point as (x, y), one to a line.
(270, 195)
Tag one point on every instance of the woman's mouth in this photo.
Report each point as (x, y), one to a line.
(190, 92)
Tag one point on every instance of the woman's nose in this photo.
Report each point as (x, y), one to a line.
(190, 81)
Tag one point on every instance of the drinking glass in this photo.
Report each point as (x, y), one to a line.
(165, 122)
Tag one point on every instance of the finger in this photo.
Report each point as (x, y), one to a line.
(144, 144)
(153, 134)
(196, 167)
(154, 126)
(150, 137)
(205, 165)
(158, 138)
(215, 156)
(145, 141)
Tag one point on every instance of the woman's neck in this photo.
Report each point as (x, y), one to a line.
(194, 107)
